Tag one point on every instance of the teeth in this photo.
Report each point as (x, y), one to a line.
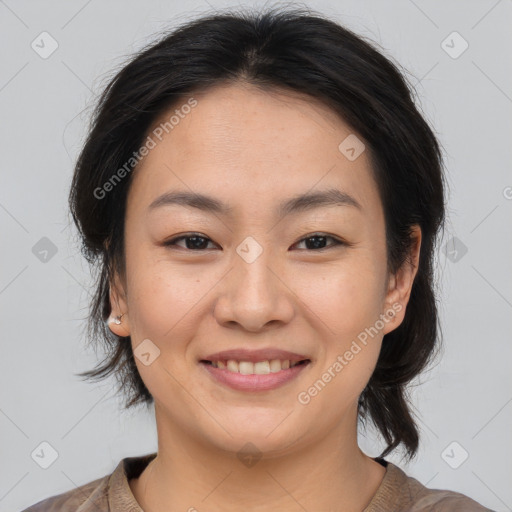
(232, 366)
(275, 365)
(250, 368)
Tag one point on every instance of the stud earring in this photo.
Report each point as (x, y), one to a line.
(117, 319)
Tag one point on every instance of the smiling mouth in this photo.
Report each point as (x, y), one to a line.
(255, 368)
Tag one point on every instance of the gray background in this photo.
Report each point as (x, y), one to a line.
(44, 105)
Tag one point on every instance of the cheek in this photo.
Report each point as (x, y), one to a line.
(164, 305)
(162, 294)
(345, 303)
(347, 299)
(345, 314)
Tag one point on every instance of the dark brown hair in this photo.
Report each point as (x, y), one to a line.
(299, 51)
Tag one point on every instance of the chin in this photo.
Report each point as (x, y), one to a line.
(271, 438)
(254, 447)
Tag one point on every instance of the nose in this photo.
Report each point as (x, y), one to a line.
(254, 295)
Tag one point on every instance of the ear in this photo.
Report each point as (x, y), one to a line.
(400, 284)
(118, 305)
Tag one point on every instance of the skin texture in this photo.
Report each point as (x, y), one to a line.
(252, 150)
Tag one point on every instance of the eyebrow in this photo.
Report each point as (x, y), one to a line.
(300, 203)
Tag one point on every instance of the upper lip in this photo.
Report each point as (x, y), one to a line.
(254, 355)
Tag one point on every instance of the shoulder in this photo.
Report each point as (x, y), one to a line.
(89, 497)
(439, 500)
(402, 493)
(109, 493)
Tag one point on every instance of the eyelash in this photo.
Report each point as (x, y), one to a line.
(337, 241)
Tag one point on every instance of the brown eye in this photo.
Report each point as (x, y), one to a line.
(197, 242)
(193, 242)
(318, 241)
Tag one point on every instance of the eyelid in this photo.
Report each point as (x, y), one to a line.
(172, 241)
(337, 241)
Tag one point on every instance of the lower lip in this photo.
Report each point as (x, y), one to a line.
(265, 382)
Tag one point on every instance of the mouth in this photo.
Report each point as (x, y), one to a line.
(263, 367)
(253, 376)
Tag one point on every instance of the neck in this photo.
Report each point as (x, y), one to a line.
(332, 474)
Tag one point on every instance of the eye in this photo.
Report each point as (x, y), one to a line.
(319, 241)
(197, 242)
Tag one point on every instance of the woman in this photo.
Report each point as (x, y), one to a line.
(263, 200)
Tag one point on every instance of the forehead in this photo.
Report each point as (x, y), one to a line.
(251, 147)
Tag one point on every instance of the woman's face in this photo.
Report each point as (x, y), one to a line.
(262, 274)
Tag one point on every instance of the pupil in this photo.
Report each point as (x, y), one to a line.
(316, 245)
(199, 242)
(195, 245)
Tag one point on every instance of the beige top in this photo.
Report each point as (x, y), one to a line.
(111, 493)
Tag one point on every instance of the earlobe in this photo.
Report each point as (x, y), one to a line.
(118, 321)
(119, 325)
